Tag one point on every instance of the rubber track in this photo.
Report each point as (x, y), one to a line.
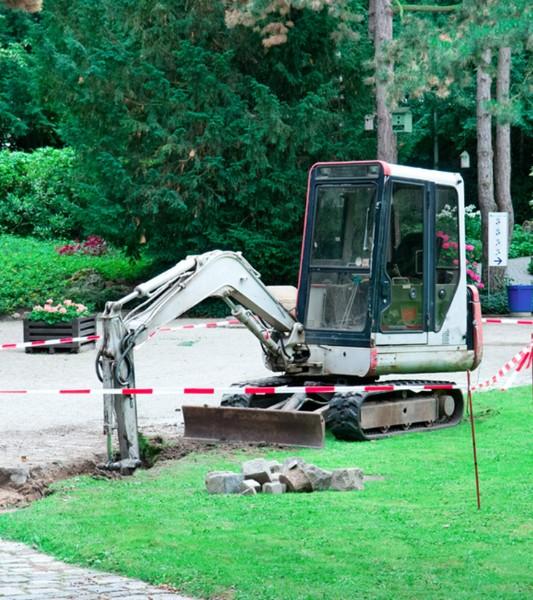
(344, 414)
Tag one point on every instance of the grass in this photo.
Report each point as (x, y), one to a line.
(33, 271)
(416, 534)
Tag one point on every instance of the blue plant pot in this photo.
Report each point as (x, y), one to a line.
(520, 298)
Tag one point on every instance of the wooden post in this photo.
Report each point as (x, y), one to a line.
(471, 410)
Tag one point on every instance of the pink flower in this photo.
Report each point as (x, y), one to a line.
(469, 247)
(62, 310)
(67, 302)
(480, 285)
(470, 273)
(455, 261)
(49, 301)
(446, 245)
(445, 237)
(440, 234)
(454, 245)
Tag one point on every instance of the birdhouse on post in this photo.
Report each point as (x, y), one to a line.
(465, 160)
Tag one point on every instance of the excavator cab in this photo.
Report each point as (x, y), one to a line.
(383, 266)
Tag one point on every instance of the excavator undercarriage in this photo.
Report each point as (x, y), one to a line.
(299, 418)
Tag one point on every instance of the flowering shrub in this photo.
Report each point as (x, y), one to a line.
(93, 245)
(449, 256)
(50, 313)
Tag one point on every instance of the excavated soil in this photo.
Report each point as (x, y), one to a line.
(41, 477)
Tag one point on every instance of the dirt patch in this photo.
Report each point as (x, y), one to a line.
(21, 485)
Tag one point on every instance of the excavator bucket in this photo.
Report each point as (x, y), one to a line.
(225, 424)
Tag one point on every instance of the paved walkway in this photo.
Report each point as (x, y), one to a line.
(517, 271)
(29, 575)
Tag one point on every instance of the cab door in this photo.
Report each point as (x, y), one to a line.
(404, 284)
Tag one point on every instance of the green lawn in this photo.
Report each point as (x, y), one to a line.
(417, 534)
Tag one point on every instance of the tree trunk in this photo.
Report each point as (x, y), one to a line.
(484, 160)
(26, 5)
(382, 24)
(502, 162)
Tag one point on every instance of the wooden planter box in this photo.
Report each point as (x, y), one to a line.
(39, 330)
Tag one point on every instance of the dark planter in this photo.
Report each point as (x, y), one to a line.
(520, 298)
(39, 330)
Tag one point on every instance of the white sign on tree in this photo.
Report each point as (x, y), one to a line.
(498, 239)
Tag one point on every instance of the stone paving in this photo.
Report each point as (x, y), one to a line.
(29, 575)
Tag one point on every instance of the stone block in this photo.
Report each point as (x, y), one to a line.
(291, 463)
(223, 482)
(320, 478)
(275, 466)
(250, 484)
(296, 480)
(257, 469)
(14, 476)
(274, 488)
(344, 480)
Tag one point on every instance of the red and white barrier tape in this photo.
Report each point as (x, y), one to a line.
(210, 391)
(521, 360)
(95, 338)
(497, 321)
(213, 325)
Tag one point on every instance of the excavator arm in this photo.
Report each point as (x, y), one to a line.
(226, 275)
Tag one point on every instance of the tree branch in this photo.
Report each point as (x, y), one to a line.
(429, 8)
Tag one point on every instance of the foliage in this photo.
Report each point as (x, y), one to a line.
(530, 267)
(240, 547)
(522, 243)
(495, 303)
(37, 194)
(63, 311)
(23, 120)
(189, 135)
(32, 270)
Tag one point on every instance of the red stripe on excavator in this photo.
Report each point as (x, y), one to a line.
(13, 391)
(130, 391)
(199, 390)
(74, 391)
(319, 389)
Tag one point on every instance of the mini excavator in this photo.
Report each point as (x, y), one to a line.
(382, 291)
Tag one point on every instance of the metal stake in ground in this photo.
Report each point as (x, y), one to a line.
(471, 411)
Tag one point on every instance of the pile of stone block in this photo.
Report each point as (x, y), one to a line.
(273, 477)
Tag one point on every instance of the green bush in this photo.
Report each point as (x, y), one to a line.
(495, 303)
(32, 272)
(522, 243)
(37, 195)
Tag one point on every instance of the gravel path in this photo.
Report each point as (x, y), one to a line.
(26, 574)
